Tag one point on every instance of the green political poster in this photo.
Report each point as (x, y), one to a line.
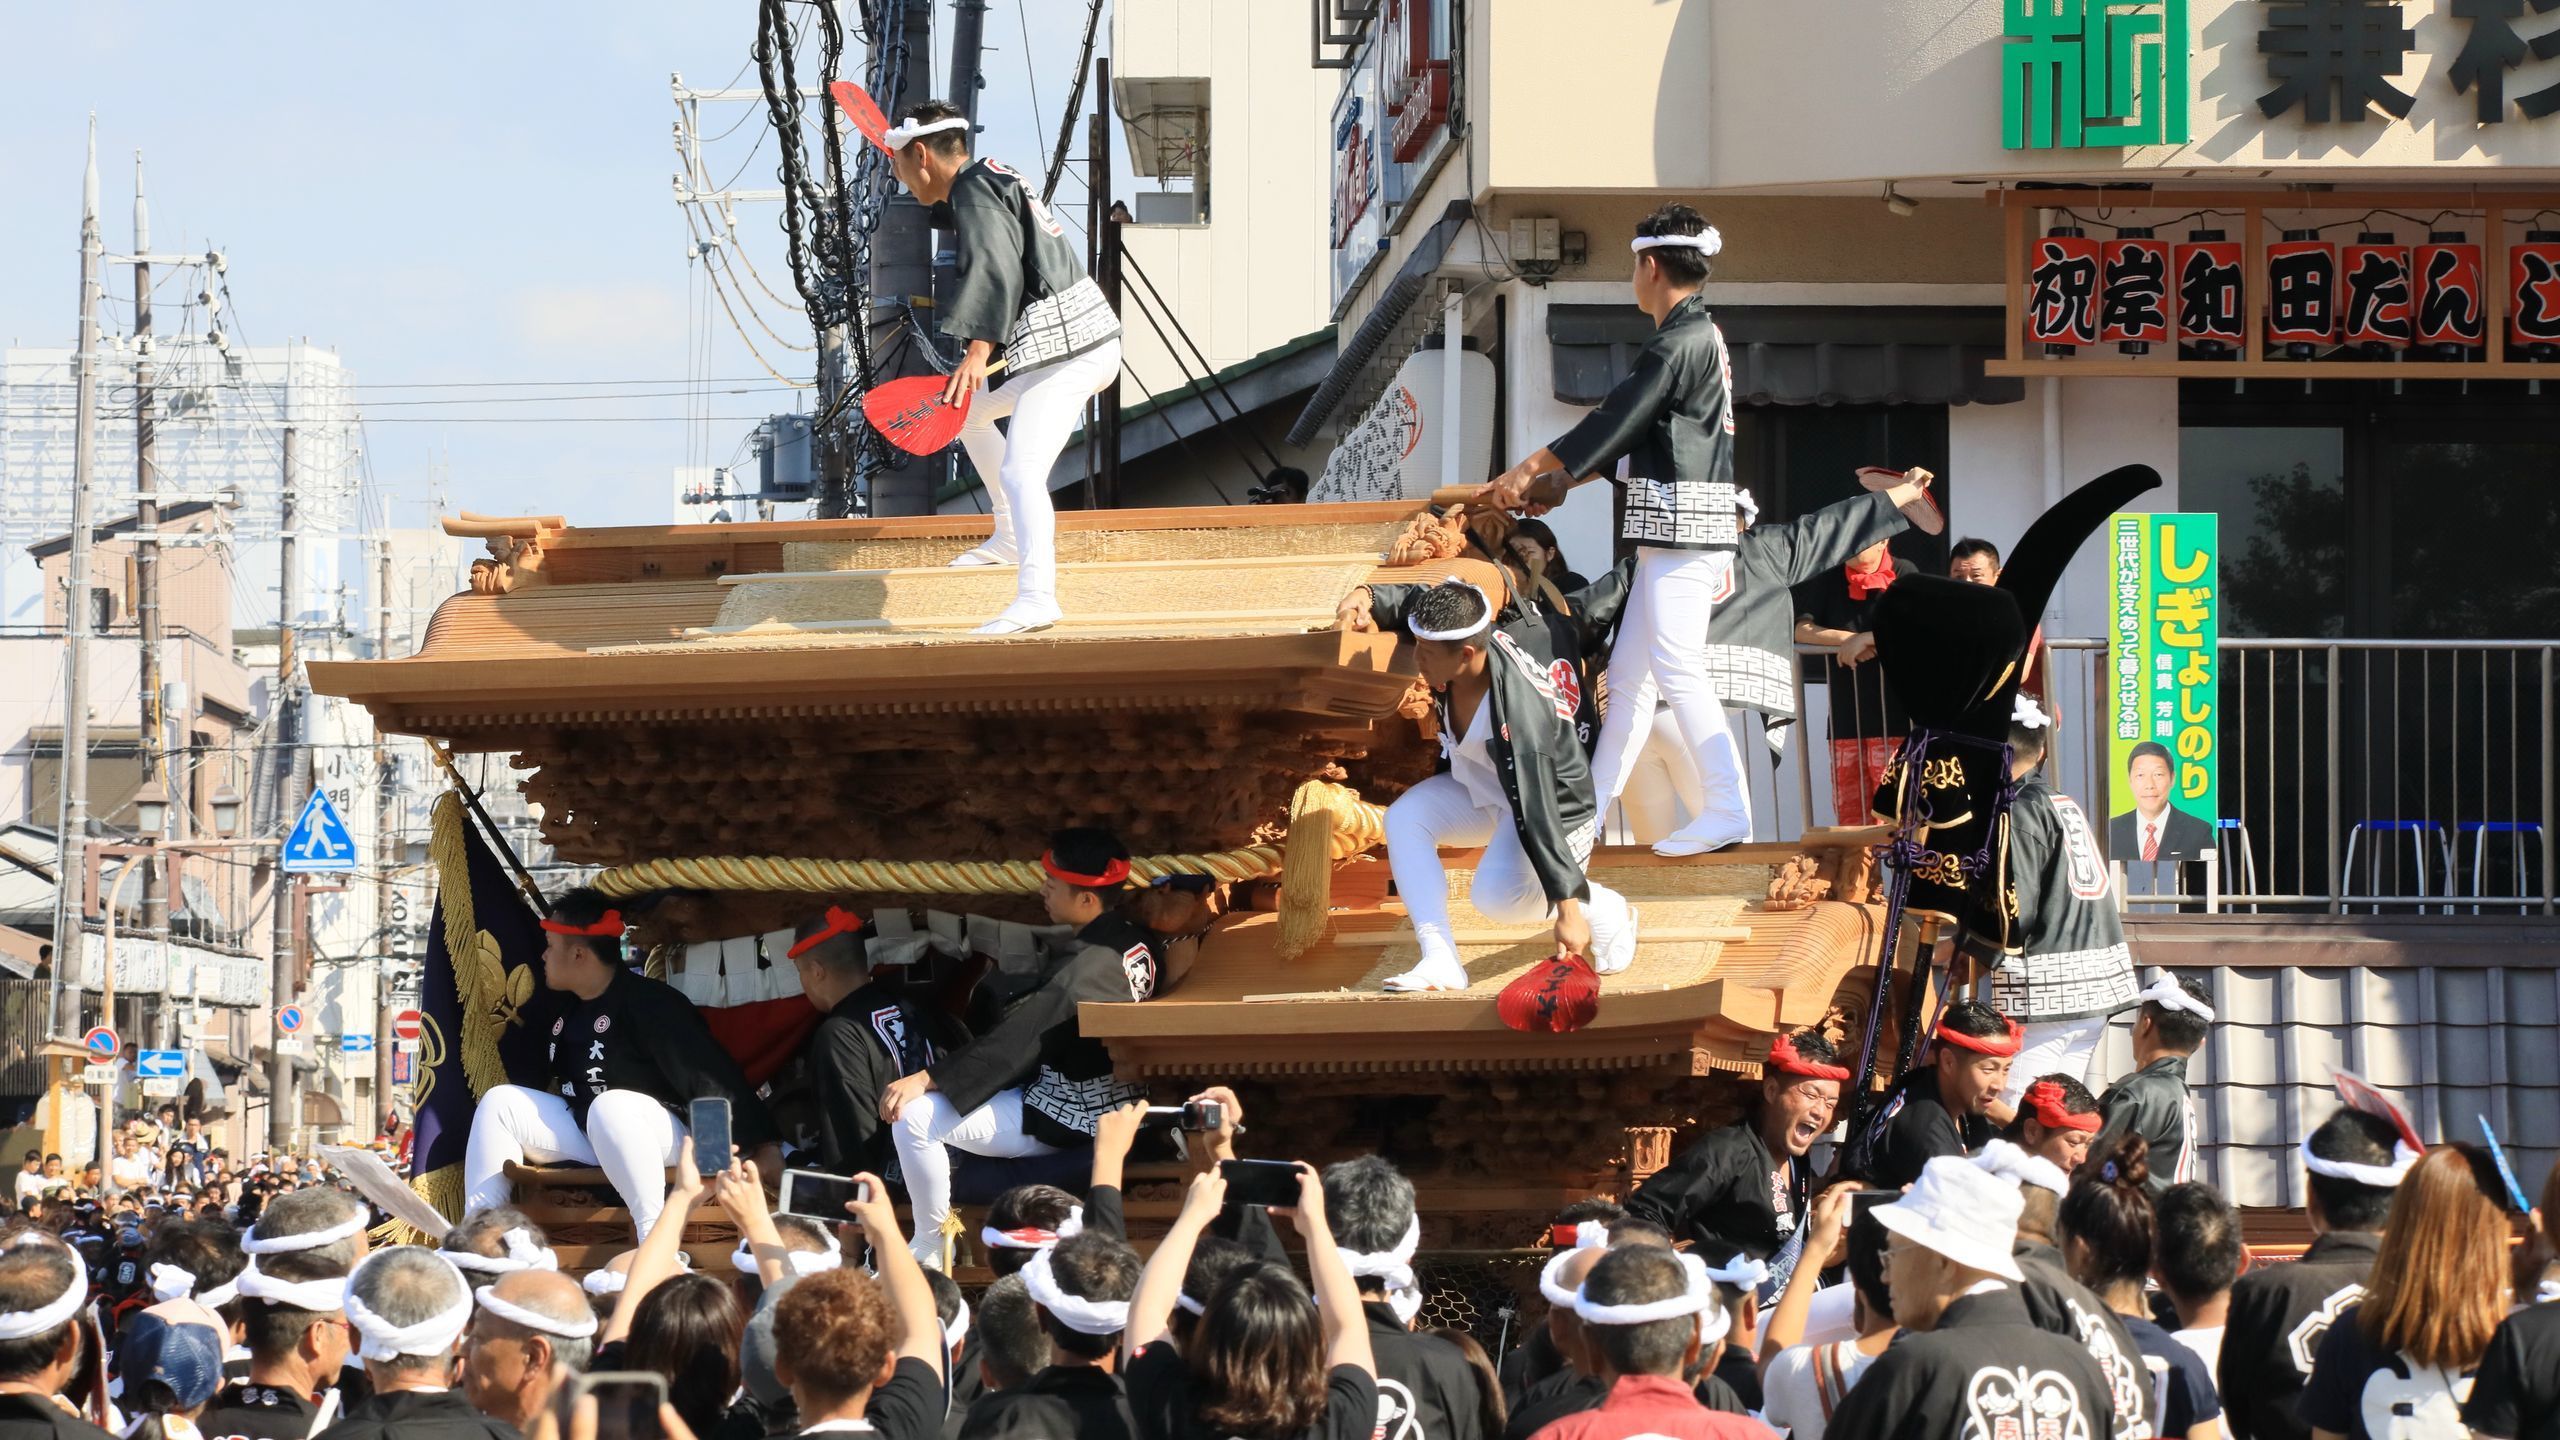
(2163, 706)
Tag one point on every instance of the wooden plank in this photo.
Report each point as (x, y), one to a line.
(2493, 285)
(2277, 369)
(2014, 236)
(1107, 620)
(2253, 264)
(1231, 562)
(1723, 934)
(1238, 517)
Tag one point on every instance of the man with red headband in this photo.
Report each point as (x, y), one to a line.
(867, 1036)
(623, 1063)
(1744, 1188)
(1033, 1084)
(1941, 1107)
(2056, 1121)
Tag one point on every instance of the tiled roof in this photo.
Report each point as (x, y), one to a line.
(2449, 1043)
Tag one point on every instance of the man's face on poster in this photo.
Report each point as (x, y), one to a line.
(2148, 776)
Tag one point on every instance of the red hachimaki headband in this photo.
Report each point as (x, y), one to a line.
(607, 926)
(839, 922)
(2045, 1098)
(1981, 1045)
(1785, 1058)
(1117, 872)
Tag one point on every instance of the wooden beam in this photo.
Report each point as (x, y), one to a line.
(2278, 369)
(2253, 265)
(1722, 934)
(2014, 235)
(2493, 286)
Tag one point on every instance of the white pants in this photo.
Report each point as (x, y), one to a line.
(1661, 657)
(927, 1131)
(1505, 890)
(2052, 1047)
(628, 1133)
(1045, 405)
(1666, 791)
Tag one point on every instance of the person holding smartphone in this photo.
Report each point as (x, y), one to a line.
(628, 1054)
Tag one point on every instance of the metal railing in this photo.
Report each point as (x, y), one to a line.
(2357, 776)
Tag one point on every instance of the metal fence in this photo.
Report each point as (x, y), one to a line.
(2357, 776)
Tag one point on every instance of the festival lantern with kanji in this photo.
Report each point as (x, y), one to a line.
(2302, 293)
(2380, 308)
(2062, 291)
(2133, 305)
(2207, 287)
(2451, 316)
(2533, 295)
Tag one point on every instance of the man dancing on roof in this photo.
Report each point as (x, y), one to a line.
(1019, 288)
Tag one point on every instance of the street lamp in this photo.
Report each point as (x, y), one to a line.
(151, 808)
(226, 811)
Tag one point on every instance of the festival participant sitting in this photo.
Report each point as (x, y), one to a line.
(1744, 1188)
(1517, 784)
(409, 1307)
(974, 1099)
(2279, 1315)
(2056, 1121)
(2058, 1303)
(2198, 1257)
(530, 1325)
(2516, 1395)
(1424, 1386)
(500, 1240)
(1647, 1315)
(2108, 1238)
(1024, 1221)
(2153, 1101)
(1081, 1287)
(1941, 1107)
(628, 1054)
(2066, 966)
(2399, 1361)
(291, 1310)
(1262, 1361)
(1803, 1384)
(867, 1036)
(1968, 1348)
(44, 1294)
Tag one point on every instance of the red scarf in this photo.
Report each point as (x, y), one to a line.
(1863, 584)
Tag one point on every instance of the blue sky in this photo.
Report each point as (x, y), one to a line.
(454, 192)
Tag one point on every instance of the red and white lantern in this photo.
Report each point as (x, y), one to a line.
(2533, 295)
(2062, 290)
(2452, 316)
(2302, 293)
(2208, 292)
(2379, 305)
(2133, 305)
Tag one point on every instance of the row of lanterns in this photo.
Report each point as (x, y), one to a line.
(2378, 295)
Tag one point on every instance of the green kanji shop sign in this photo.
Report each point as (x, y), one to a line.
(2079, 74)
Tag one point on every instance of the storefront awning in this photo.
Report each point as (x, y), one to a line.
(1804, 354)
(1395, 298)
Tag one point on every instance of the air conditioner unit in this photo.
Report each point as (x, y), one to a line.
(1168, 207)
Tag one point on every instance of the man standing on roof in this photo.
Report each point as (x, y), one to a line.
(1021, 290)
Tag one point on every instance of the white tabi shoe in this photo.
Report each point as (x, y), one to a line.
(1443, 975)
(1700, 838)
(1021, 618)
(983, 555)
(1620, 952)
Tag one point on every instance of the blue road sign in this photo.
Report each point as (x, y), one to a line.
(289, 1018)
(163, 1065)
(101, 1042)
(320, 841)
(355, 1044)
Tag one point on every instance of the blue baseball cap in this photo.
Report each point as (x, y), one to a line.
(168, 1365)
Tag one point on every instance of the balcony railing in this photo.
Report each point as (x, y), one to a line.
(2356, 775)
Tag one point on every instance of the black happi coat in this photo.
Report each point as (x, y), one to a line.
(1070, 1082)
(1018, 281)
(2062, 954)
(1716, 1195)
(1985, 1371)
(1426, 1390)
(870, 1038)
(1060, 1402)
(2153, 1102)
(1911, 1128)
(1541, 716)
(2060, 1305)
(249, 1411)
(2273, 1334)
(1671, 419)
(418, 1415)
(1751, 642)
(642, 1034)
(33, 1417)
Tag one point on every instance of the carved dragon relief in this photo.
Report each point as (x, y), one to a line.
(515, 548)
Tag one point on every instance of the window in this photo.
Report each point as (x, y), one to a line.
(1167, 122)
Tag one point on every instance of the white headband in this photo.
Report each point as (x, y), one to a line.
(28, 1324)
(257, 1244)
(578, 1329)
(328, 1294)
(1589, 1235)
(902, 135)
(384, 1341)
(604, 1282)
(957, 1328)
(2015, 1165)
(2027, 714)
(1190, 1305)
(798, 1262)
(2380, 1177)
(1741, 1272)
(1750, 508)
(1470, 632)
(2165, 992)
(1085, 1317)
(1395, 1267)
(995, 1239)
(522, 1254)
(1705, 242)
(1698, 1299)
(171, 1282)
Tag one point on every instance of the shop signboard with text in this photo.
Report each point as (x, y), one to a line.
(2162, 701)
(1356, 230)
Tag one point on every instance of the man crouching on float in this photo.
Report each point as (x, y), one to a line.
(1517, 783)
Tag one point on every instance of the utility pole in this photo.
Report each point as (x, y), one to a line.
(287, 719)
(70, 906)
(153, 729)
(1106, 275)
(901, 268)
(386, 846)
(968, 23)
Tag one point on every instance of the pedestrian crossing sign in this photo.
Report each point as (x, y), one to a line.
(320, 840)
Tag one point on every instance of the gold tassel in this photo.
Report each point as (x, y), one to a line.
(1327, 823)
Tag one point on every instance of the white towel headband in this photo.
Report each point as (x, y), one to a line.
(522, 1254)
(176, 1282)
(1589, 1235)
(1395, 1267)
(1705, 242)
(2027, 714)
(1471, 632)
(324, 1294)
(1022, 1239)
(384, 1341)
(27, 1324)
(2380, 1177)
(957, 1328)
(1698, 1299)
(2017, 1166)
(257, 1244)
(578, 1329)
(901, 136)
(2165, 992)
(1085, 1317)
(798, 1262)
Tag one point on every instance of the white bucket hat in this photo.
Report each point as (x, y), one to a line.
(1963, 1213)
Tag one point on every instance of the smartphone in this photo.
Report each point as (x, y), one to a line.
(627, 1402)
(820, 1196)
(709, 1122)
(1260, 1182)
(1197, 1116)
